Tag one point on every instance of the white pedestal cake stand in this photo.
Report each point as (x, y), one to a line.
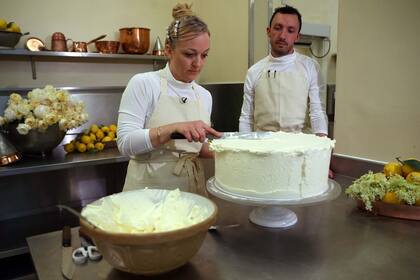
(271, 212)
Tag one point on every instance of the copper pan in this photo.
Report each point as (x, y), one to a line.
(135, 40)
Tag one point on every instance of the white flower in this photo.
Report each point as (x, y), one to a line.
(10, 114)
(23, 108)
(43, 108)
(41, 111)
(63, 124)
(31, 122)
(22, 128)
(15, 98)
(42, 125)
(62, 96)
(50, 118)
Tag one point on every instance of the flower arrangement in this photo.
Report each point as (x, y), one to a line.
(43, 108)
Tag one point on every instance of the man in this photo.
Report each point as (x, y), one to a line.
(279, 87)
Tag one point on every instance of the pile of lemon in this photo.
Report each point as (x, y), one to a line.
(92, 140)
(9, 26)
(409, 169)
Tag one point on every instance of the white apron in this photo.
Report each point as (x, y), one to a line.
(281, 101)
(174, 164)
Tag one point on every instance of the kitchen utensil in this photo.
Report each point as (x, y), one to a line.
(135, 39)
(10, 39)
(35, 142)
(158, 48)
(96, 39)
(107, 46)
(79, 47)
(35, 44)
(67, 266)
(232, 135)
(59, 42)
(8, 153)
(155, 252)
(219, 227)
(86, 251)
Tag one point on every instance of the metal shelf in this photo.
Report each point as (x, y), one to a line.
(32, 56)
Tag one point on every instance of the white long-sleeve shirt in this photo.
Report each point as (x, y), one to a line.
(138, 103)
(318, 117)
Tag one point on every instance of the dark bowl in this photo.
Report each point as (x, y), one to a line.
(107, 46)
(35, 142)
(9, 39)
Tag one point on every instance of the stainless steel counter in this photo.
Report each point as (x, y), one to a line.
(332, 240)
(58, 159)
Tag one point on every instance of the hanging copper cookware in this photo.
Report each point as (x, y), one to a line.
(135, 40)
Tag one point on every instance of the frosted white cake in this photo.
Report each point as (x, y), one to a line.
(284, 165)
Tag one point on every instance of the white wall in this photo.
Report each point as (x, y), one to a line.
(378, 66)
(81, 21)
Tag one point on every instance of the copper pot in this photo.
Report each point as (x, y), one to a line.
(135, 39)
(107, 46)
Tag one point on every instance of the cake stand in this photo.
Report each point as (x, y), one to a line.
(271, 212)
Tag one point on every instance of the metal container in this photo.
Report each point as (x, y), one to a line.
(135, 40)
(59, 42)
(10, 39)
(35, 142)
(107, 46)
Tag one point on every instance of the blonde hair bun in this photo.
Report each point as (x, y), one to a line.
(182, 10)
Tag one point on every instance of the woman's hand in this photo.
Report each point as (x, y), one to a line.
(196, 131)
(193, 131)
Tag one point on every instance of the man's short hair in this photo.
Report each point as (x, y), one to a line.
(289, 10)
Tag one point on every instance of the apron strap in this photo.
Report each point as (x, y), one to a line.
(195, 172)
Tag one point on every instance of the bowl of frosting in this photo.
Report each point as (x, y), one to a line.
(148, 231)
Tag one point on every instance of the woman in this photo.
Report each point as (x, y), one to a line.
(155, 105)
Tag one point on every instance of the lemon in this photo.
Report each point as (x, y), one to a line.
(113, 127)
(391, 197)
(106, 139)
(406, 169)
(413, 178)
(86, 139)
(392, 168)
(69, 147)
(92, 137)
(90, 146)
(111, 134)
(13, 27)
(94, 128)
(105, 128)
(81, 147)
(99, 146)
(99, 134)
(3, 24)
(409, 165)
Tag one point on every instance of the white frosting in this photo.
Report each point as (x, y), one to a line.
(140, 212)
(285, 165)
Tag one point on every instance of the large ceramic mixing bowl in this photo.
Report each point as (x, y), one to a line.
(153, 253)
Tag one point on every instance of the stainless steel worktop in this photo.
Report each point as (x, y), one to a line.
(58, 159)
(332, 240)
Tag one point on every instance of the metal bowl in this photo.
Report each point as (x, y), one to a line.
(107, 46)
(9, 39)
(35, 142)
